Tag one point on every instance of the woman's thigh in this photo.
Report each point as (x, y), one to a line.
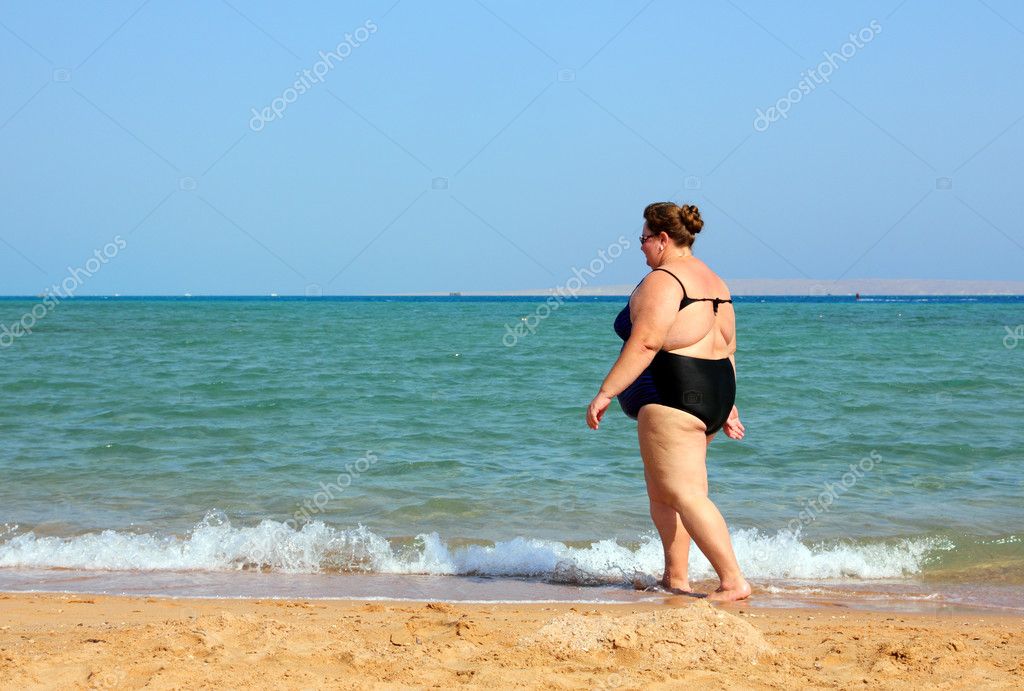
(674, 448)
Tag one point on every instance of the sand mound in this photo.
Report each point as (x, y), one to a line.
(48, 641)
(688, 636)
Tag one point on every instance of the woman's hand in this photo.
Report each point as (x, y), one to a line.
(733, 428)
(596, 409)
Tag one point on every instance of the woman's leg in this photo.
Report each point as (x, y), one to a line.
(674, 447)
(676, 543)
(674, 540)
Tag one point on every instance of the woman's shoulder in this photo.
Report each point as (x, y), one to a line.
(699, 278)
(723, 291)
(715, 284)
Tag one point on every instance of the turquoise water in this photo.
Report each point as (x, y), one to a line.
(214, 435)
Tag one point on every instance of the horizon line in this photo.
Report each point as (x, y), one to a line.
(476, 294)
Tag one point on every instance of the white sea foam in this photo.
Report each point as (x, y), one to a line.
(215, 545)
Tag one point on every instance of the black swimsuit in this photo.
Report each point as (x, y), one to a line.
(699, 386)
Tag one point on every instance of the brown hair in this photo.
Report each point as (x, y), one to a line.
(681, 223)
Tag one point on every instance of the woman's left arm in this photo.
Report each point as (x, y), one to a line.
(653, 311)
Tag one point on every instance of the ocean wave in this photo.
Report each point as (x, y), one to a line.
(216, 545)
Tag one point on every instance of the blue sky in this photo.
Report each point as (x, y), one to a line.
(495, 145)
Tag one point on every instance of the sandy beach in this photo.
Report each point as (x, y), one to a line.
(107, 642)
(407, 345)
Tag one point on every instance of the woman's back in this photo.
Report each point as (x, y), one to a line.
(706, 326)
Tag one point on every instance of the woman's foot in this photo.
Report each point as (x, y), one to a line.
(677, 586)
(732, 592)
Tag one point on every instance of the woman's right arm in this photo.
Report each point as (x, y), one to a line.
(733, 428)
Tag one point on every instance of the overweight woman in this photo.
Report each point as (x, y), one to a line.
(676, 376)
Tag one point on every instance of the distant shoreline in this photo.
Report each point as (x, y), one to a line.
(819, 288)
(740, 287)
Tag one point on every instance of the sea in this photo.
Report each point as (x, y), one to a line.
(436, 448)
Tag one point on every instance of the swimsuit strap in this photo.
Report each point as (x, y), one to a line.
(684, 302)
(715, 302)
(675, 277)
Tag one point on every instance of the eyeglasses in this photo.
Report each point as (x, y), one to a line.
(645, 238)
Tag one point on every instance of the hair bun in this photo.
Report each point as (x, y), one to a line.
(689, 215)
(681, 223)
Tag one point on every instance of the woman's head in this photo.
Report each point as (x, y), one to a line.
(680, 223)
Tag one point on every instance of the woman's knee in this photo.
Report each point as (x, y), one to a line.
(661, 510)
(684, 498)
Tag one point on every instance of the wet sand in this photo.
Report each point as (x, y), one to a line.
(110, 642)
